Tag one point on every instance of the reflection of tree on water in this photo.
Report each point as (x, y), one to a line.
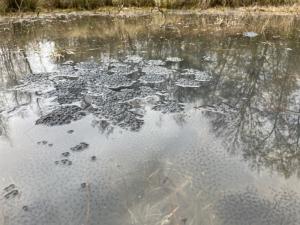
(13, 64)
(255, 111)
(10, 103)
(3, 127)
(3, 120)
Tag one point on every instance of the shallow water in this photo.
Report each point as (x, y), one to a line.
(150, 120)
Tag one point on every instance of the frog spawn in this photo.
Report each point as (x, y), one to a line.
(187, 83)
(45, 143)
(107, 90)
(68, 92)
(169, 107)
(114, 108)
(116, 81)
(80, 147)
(77, 148)
(152, 79)
(200, 76)
(10, 191)
(62, 115)
(153, 74)
(64, 162)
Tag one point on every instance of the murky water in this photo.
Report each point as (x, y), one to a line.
(150, 120)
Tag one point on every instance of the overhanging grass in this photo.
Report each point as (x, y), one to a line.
(33, 5)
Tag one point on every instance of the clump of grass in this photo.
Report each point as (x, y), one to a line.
(137, 3)
(76, 4)
(180, 3)
(19, 5)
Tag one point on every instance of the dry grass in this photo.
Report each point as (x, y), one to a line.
(75, 4)
(137, 3)
(34, 5)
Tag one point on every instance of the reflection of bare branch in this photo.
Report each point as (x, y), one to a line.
(275, 122)
(262, 126)
(19, 105)
(3, 127)
(298, 130)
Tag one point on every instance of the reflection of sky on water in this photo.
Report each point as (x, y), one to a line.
(40, 57)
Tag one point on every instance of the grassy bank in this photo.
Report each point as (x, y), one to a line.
(37, 5)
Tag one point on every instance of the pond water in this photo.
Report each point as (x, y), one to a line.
(183, 119)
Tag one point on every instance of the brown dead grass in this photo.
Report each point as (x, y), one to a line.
(42, 5)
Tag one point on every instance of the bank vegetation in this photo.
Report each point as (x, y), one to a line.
(39, 5)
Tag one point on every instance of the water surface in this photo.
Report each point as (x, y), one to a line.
(186, 119)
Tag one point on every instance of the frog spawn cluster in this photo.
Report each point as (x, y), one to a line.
(105, 89)
(77, 148)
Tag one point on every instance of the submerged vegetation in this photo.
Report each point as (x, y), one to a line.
(35, 5)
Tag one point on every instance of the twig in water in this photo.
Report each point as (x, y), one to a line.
(166, 219)
(87, 218)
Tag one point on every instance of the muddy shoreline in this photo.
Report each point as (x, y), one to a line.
(284, 11)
